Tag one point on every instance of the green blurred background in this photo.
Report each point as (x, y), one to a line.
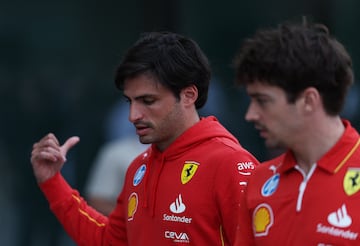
(56, 75)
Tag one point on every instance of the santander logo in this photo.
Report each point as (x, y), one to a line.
(178, 206)
(340, 218)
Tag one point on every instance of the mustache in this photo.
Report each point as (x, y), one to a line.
(142, 124)
(260, 127)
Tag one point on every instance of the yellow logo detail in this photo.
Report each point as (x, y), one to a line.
(262, 219)
(352, 181)
(132, 205)
(188, 171)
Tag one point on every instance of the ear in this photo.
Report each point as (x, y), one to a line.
(189, 95)
(311, 100)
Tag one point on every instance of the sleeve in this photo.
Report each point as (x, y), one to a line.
(83, 224)
(230, 187)
(244, 234)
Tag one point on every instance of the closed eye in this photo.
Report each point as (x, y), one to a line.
(148, 100)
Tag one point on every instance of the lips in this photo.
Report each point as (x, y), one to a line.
(262, 130)
(142, 129)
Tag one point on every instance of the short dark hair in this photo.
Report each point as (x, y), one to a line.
(294, 57)
(176, 61)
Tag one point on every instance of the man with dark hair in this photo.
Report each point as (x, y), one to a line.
(297, 77)
(184, 189)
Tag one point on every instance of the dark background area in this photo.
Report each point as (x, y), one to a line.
(56, 75)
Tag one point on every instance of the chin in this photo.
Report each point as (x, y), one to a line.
(145, 140)
(271, 144)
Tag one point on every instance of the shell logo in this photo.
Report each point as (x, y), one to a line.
(263, 219)
(132, 205)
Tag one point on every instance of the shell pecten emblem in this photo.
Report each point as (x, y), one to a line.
(262, 219)
(132, 205)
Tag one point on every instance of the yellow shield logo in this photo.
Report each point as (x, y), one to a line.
(352, 181)
(188, 171)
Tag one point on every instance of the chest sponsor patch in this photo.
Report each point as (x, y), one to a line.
(132, 205)
(188, 171)
(270, 185)
(352, 181)
(139, 175)
(263, 219)
(177, 207)
(177, 237)
(338, 225)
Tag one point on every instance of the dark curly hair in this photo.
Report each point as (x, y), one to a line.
(294, 57)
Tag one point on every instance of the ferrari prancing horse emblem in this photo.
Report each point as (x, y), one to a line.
(352, 181)
(188, 171)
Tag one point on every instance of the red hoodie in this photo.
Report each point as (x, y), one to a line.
(187, 195)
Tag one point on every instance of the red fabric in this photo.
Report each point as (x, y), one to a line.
(158, 208)
(326, 213)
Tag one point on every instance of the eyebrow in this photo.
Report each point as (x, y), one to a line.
(257, 94)
(141, 96)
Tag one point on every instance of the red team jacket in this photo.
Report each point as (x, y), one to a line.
(187, 195)
(322, 208)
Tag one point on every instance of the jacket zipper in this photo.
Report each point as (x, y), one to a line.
(303, 185)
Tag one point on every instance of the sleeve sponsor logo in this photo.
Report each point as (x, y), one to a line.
(263, 219)
(352, 181)
(139, 175)
(270, 185)
(188, 171)
(132, 205)
(244, 167)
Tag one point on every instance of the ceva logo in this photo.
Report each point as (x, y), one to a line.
(178, 237)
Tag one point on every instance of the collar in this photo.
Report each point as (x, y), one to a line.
(335, 158)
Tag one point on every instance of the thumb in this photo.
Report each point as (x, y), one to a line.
(68, 145)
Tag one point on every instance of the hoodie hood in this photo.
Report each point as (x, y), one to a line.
(207, 128)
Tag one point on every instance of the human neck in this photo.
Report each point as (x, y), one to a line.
(192, 119)
(317, 141)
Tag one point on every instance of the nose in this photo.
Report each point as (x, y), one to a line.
(134, 113)
(251, 113)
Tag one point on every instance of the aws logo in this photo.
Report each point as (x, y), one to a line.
(188, 171)
(244, 167)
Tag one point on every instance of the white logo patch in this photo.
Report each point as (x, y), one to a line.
(340, 218)
(244, 167)
(178, 206)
